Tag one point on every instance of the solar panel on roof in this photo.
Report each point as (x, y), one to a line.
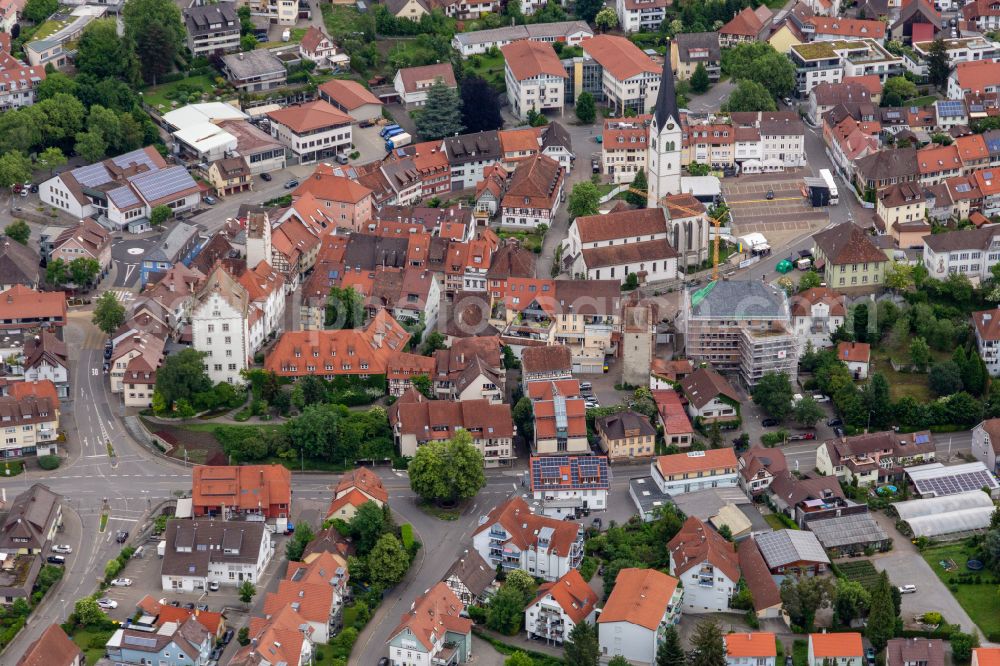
(955, 483)
(139, 641)
(139, 156)
(123, 196)
(91, 175)
(158, 184)
(962, 187)
(922, 439)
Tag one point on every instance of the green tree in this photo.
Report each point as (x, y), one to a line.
(158, 33)
(441, 115)
(606, 19)
(159, 215)
(315, 430)
(639, 185)
(586, 112)
(749, 96)
(974, 373)
(670, 652)
(51, 159)
(83, 270)
(962, 645)
(802, 597)
(809, 280)
(619, 660)
(102, 53)
(433, 342)
(181, 376)
(109, 315)
(90, 145)
(920, 353)
(898, 276)
(519, 659)
(709, 649)
(806, 412)
(524, 583)
(14, 167)
(387, 562)
(62, 117)
(900, 86)
(480, 110)
(877, 401)
(938, 64)
(344, 309)
(57, 273)
(367, 526)
(586, 10)
(699, 79)
(505, 611)
(881, 624)
(583, 200)
(860, 317)
(423, 384)
(447, 471)
(945, 378)
(773, 393)
(850, 601)
(248, 42)
(88, 613)
(247, 592)
(18, 231)
(524, 418)
(37, 11)
(582, 647)
(56, 82)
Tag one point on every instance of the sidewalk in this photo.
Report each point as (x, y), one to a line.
(521, 641)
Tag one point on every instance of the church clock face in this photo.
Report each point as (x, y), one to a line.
(670, 126)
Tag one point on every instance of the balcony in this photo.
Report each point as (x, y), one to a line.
(46, 434)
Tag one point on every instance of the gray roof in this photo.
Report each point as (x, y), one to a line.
(474, 572)
(647, 495)
(200, 19)
(962, 239)
(478, 147)
(784, 547)
(698, 40)
(18, 264)
(554, 134)
(614, 426)
(171, 245)
(900, 651)
(853, 529)
(31, 516)
(514, 33)
(739, 299)
(888, 164)
(207, 540)
(252, 63)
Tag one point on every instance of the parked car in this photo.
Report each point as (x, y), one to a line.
(202, 607)
(210, 200)
(907, 589)
(770, 423)
(838, 431)
(56, 559)
(596, 522)
(870, 655)
(770, 194)
(107, 604)
(342, 158)
(265, 177)
(819, 397)
(121, 582)
(34, 189)
(292, 184)
(836, 421)
(384, 661)
(66, 550)
(799, 436)
(595, 165)
(216, 653)
(226, 637)
(213, 586)
(121, 536)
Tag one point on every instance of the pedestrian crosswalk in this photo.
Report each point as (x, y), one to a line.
(123, 295)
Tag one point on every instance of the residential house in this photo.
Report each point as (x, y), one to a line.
(481, 41)
(690, 49)
(913, 651)
(316, 592)
(412, 83)
(88, 239)
(279, 639)
(757, 648)
(134, 361)
(252, 492)
(212, 30)
(229, 176)
(355, 488)
(793, 553)
(710, 398)
(433, 631)
(986, 444)
(535, 191)
(694, 470)
(971, 252)
(985, 14)
(840, 648)
(20, 81)
(623, 147)
(30, 412)
(985, 656)
(200, 552)
(18, 265)
(642, 604)
(316, 46)
(987, 327)
(32, 522)
(831, 61)
(558, 607)
(57, 36)
(825, 96)
(470, 156)
(976, 77)
(352, 98)
(566, 486)
(52, 648)
(749, 25)
(848, 258)
(23, 308)
(918, 21)
(758, 467)
(630, 80)
(886, 167)
(548, 363)
(254, 71)
(470, 9)
(312, 131)
(938, 163)
(626, 435)
(187, 644)
(468, 370)
(416, 422)
(706, 564)
(740, 326)
(45, 358)
(534, 76)
(856, 355)
(900, 211)
(640, 15)
(874, 458)
(408, 9)
(471, 578)
(766, 596)
(848, 140)
(672, 417)
(816, 315)
(513, 537)
(181, 244)
(336, 201)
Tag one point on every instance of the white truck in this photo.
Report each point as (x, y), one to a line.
(398, 141)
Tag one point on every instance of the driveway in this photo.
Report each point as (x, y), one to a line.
(906, 567)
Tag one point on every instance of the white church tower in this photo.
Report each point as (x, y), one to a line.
(664, 146)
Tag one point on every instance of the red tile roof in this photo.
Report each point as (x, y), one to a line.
(847, 644)
(619, 57)
(522, 526)
(758, 644)
(527, 58)
(433, 614)
(672, 413)
(573, 594)
(52, 648)
(697, 543)
(366, 481)
(640, 596)
(20, 303)
(309, 117)
(349, 94)
(854, 352)
(978, 75)
(696, 461)
(246, 486)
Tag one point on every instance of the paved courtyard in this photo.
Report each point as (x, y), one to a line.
(787, 210)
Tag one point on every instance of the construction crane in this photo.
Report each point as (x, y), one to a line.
(716, 222)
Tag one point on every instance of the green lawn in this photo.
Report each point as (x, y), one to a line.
(774, 521)
(903, 383)
(92, 643)
(488, 68)
(342, 20)
(981, 602)
(161, 97)
(926, 100)
(49, 28)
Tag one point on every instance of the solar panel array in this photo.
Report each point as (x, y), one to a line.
(952, 484)
(993, 144)
(786, 546)
(159, 184)
(584, 472)
(92, 175)
(963, 187)
(139, 641)
(139, 156)
(922, 439)
(123, 196)
(847, 530)
(950, 107)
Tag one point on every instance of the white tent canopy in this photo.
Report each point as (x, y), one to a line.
(937, 516)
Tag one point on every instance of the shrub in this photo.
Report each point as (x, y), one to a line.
(49, 462)
(588, 568)
(406, 535)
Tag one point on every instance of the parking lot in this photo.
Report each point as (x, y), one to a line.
(787, 210)
(368, 143)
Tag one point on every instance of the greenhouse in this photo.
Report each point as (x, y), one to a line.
(954, 515)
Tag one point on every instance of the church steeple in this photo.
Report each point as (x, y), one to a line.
(666, 100)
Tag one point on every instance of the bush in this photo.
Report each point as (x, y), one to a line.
(49, 462)
(406, 535)
(773, 438)
(588, 568)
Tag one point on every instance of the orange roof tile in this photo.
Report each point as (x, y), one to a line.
(938, 158)
(846, 27)
(573, 594)
(21, 302)
(697, 543)
(309, 117)
(311, 601)
(519, 141)
(854, 352)
(433, 614)
(245, 486)
(986, 656)
(326, 186)
(972, 147)
(620, 57)
(640, 596)
(757, 644)
(349, 94)
(527, 58)
(836, 645)
(696, 461)
(523, 526)
(978, 75)
(364, 480)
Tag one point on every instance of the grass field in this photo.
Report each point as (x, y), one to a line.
(774, 521)
(85, 639)
(903, 384)
(860, 571)
(488, 68)
(926, 100)
(981, 602)
(50, 28)
(163, 96)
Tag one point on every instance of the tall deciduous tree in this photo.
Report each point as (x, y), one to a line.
(83, 270)
(586, 10)
(18, 231)
(586, 112)
(807, 412)
(51, 159)
(109, 315)
(749, 96)
(14, 168)
(247, 592)
(156, 29)
(104, 54)
(480, 110)
(505, 611)
(344, 308)
(367, 526)
(709, 649)
(314, 431)
(441, 115)
(938, 64)
(852, 601)
(447, 471)
(606, 19)
(37, 11)
(90, 145)
(582, 648)
(802, 597)
(882, 616)
(387, 562)
(773, 393)
(181, 376)
(920, 353)
(583, 200)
